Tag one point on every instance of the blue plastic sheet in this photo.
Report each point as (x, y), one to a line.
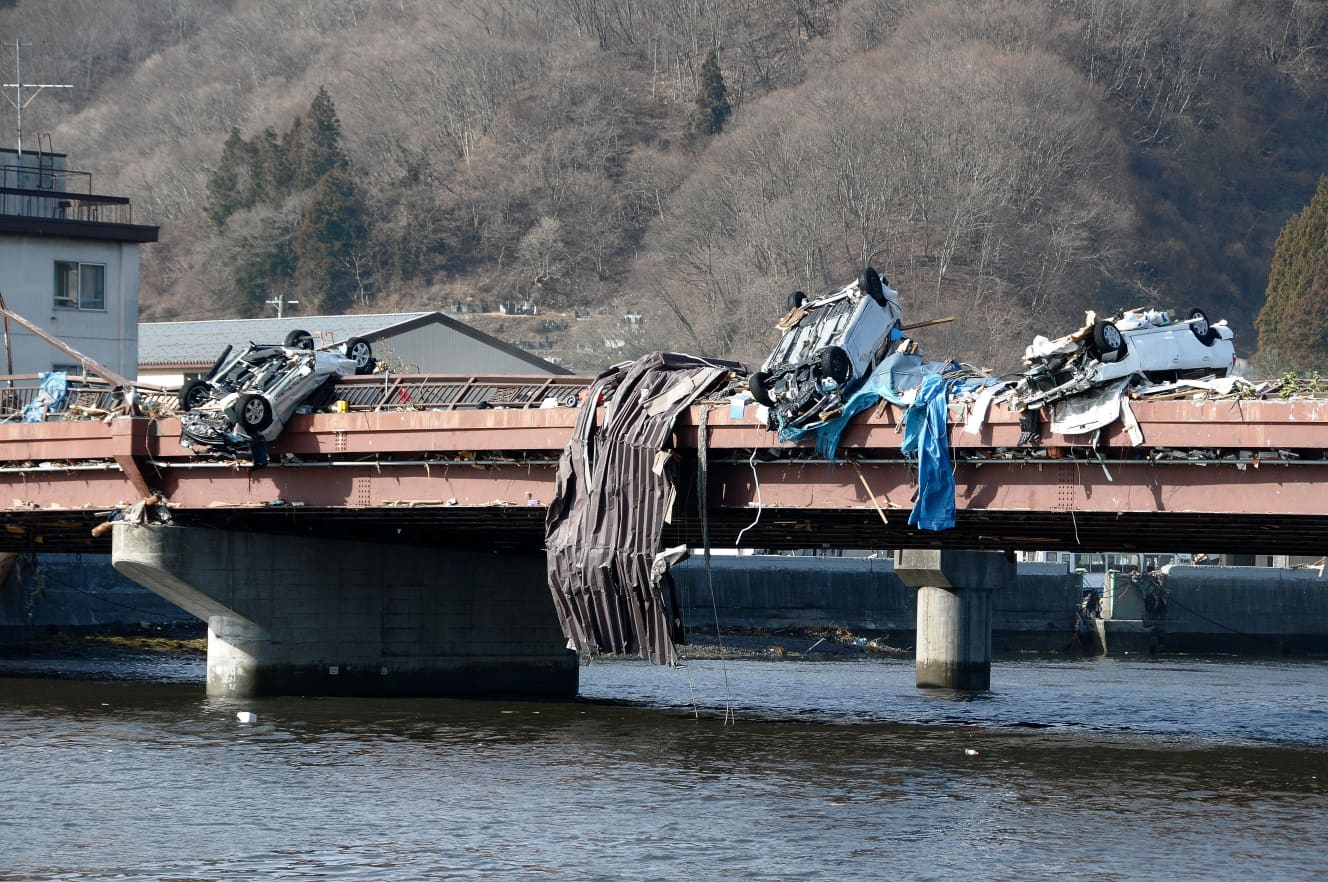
(927, 441)
(50, 397)
(894, 376)
(926, 438)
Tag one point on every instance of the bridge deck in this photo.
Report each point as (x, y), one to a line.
(1224, 475)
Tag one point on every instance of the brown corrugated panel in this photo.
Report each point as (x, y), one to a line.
(610, 503)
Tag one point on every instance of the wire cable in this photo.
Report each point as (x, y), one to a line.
(756, 480)
(702, 455)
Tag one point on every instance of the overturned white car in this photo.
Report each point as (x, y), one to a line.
(1137, 342)
(249, 396)
(829, 345)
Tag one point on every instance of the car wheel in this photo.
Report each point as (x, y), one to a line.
(194, 393)
(759, 383)
(836, 364)
(299, 340)
(1108, 341)
(796, 299)
(359, 351)
(870, 283)
(255, 414)
(1199, 325)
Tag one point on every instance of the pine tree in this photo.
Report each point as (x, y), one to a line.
(317, 142)
(1293, 324)
(228, 184)
(712, 101)
(271, 169)
(332, 231)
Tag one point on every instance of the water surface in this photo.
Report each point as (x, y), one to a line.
(1101, 769)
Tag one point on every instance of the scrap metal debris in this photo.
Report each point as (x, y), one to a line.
(1146, 343)
(614, 492)
(152, 510)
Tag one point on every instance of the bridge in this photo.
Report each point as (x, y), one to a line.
(424, 475)
(416, 461)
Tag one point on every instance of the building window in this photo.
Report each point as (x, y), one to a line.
(80, 285)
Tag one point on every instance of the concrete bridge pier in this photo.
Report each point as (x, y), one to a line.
(954, 613)
(310, 616)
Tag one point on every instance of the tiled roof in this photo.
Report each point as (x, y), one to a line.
(161, 343)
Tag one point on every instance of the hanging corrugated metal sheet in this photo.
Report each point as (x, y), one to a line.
(614, 492)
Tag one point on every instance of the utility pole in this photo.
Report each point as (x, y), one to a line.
(17, 101)
(279, 303)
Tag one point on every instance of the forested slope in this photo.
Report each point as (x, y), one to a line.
(1010, 162)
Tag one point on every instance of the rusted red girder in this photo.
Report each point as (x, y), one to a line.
(497, 457)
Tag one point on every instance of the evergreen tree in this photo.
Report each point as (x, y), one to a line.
(228, 183)
(332, 231)
(271, 169)
(712, 101)
(1293, 324)
(317, 142)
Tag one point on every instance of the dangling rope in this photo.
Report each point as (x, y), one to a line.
(703, 456)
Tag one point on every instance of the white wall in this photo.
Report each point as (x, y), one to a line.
(27, 280)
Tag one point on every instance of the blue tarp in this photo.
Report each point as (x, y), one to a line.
(50, 397)
(926, 440)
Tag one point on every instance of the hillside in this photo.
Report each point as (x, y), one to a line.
(1011, 163)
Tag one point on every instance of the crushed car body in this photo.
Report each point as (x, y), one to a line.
(1143, 343)
(248, 397)
(829, 345)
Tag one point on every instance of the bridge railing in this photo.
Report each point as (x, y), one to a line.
(389, 391)
(87, 397)
(91, 397)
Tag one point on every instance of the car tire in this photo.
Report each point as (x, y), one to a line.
(869, 281)
(1108, 341)
(255, 413)
(299, 340)
(836, 365)
(759, 384)
(194, 393)
(796, 299)
(359, 351)
(1199, 325)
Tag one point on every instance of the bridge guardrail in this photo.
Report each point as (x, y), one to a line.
(91, 397)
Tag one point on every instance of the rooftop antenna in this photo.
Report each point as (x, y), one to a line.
(280, 303)
(17, 101)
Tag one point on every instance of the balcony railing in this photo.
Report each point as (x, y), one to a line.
(57, 205)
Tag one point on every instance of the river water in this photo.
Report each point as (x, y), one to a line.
(1111, 769)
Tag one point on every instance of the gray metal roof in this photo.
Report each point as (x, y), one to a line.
(200, 342)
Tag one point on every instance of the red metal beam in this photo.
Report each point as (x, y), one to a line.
(506, 457)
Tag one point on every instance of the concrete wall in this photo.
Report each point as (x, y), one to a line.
(1245, 609)
(1212, 609)
(1036, 611)
(77, 592)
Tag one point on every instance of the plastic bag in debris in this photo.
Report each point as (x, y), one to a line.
(50, 397)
